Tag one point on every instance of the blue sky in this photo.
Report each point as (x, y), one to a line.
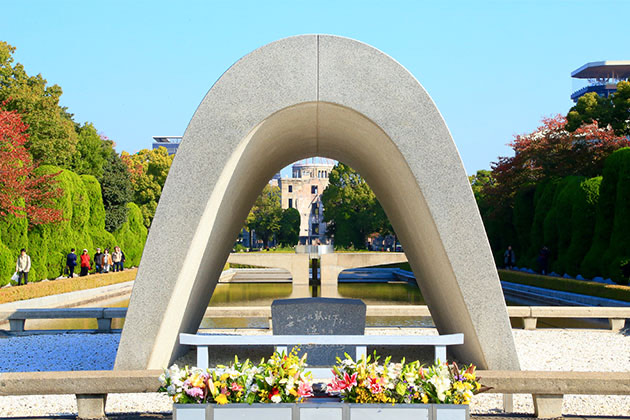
(140, 68)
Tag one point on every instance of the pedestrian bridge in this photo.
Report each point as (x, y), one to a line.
(331, 266)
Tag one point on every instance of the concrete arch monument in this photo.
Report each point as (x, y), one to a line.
(316, 95)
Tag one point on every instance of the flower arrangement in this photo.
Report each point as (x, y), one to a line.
(282, 378)
(367, 381)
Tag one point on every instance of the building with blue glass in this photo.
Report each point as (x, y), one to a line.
(171, 143)
(600, 77)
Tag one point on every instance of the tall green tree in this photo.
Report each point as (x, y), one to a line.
(117, 192)
(289, 231)
(351, 209)
(52, 136)
(93, 150)
(266, 214)
(148, 170)
(613, 111)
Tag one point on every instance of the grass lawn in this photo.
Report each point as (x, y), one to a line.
(55, 287)
(589, 288)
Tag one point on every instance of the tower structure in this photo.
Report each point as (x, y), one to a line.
(303, 192)
(600, 77)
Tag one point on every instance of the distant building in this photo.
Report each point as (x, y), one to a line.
(171, 143)
(600, 77)
(303, 192)
(275, 181)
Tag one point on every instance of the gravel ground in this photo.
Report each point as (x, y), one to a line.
(575, 350)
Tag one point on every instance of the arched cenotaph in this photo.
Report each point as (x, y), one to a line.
(303, 96)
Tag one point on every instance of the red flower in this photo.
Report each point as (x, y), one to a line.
(350, 380)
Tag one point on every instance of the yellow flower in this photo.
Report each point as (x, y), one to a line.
(293, 392)
(221, 399)
(196, 381)
(425, 399)
(224, 377)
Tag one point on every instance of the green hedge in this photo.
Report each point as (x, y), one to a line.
(611, 242)
(132, 235)
(583, 214)
(523, 217)
(49, 244)
(96, 224)
(83, 226)
(13, 237)
(608, 291)
(543, 201)
(618, 252)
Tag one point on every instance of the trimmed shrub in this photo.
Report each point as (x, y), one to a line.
(523, 218)
(50, 243)
(618, 252)
(583, 212)
(611, 230)
(96, 225)
(558, 221)
(7, 264)
(543, 201)
(13, 237)
(132, 235)
(83, 226)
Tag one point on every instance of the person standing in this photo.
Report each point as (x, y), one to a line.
(107, 261)
(98, 261)
(71, 262)
(509, 258)
(543, 260)
(23, 266)
(117, 259)
(85, 263)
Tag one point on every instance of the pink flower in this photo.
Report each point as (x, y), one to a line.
(236, 387)
(305, 390)
(375, 385)
(336, 385)
(195, 392)
(350, 380)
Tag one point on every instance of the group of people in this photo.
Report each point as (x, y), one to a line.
(104, 262)
(509, 259)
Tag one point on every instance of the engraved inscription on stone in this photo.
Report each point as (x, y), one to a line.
(319, 316)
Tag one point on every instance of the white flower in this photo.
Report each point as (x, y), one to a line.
(410, 377)
(276, 398)
(441, 384)
(270, 379)
(348, 363)
(172, 390)
(254, 388)
(290, 385)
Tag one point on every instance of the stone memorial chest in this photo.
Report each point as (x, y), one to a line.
(319, 316)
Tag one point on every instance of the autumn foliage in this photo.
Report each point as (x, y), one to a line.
(553, 152)
(22, 192)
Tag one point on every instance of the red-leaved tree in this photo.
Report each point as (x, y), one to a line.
(22, 192)
(553, 152)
